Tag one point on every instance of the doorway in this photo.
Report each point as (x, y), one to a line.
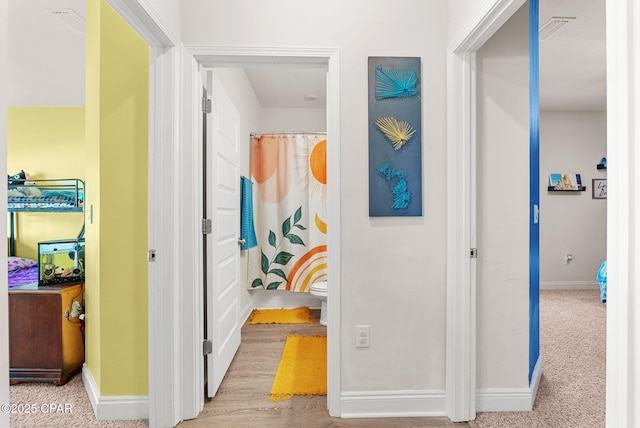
(461, 139)
(212, 58)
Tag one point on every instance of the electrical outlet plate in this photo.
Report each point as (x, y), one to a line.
(362, 336)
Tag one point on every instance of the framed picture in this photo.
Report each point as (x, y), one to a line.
(599, 186)
(395, 136)
(565, 181)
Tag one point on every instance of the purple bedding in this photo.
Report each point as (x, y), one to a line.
(23, 276)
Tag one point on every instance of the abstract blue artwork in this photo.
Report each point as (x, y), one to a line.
(395, 137)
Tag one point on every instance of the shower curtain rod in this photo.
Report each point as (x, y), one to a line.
(253, 134)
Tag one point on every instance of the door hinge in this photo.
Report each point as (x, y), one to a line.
(207, 347)
(206, 226)
(474, 253)
(152, 255)
(206, 105)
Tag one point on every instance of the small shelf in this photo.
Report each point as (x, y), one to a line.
(579, 189)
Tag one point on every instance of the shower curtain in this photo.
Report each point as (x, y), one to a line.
(290, 183)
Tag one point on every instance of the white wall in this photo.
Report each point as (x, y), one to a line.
(167, 10)
(461, 12)
(393, 269)
(293, 119)
(572, 223)
(503, 207)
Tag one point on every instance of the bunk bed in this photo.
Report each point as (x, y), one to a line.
(63, 195)
(46, 327)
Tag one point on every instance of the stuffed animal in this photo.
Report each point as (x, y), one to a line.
(18, 178)
(23, 187)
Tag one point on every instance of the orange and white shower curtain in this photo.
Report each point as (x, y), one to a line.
(289, 200)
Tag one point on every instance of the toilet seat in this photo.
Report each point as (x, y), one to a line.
(319, 288)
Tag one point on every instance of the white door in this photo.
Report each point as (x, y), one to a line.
(222, 204)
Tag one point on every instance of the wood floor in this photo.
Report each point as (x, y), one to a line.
(243, 397)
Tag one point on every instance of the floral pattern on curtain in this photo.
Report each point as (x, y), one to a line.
(290, 183)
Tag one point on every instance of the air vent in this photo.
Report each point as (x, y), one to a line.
(70, 18)
(554, 24)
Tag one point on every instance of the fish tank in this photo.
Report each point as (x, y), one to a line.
(60, 262)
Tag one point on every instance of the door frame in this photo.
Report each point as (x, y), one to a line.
(460, 398)
(621, 222)
(164, 214)
(197, 56)
(623, 240)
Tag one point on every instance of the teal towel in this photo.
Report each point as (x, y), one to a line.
(247, 230)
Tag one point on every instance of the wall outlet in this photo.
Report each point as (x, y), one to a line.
(362, 336)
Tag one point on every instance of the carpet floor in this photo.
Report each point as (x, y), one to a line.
(573, 350)
(71, 407)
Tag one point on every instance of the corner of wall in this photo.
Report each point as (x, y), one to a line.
(118, 408)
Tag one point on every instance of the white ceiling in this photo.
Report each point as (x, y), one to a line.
(288, 87)
(46, 61)
(573, 60)
(46, 58)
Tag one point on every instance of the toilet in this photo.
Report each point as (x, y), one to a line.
(319, 290)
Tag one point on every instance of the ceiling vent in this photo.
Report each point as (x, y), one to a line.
(550, 27)
(70, 18)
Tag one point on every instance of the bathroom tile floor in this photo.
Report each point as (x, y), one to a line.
(243, 397)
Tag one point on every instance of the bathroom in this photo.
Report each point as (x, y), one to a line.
(286, 106)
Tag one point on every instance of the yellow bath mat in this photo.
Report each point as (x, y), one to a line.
(302, 369)
(301, 315)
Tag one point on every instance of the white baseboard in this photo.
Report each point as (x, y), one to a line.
(392, 404)
(535, 380)
(510, 399)
(114, 408)
(569, 285)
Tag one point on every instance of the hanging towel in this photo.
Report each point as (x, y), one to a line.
(247, 230)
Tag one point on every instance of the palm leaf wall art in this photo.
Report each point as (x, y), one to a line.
(395, 83)
(399, 132)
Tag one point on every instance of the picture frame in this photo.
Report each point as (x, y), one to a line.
(565, 182)
(599, 188)
(395, 136)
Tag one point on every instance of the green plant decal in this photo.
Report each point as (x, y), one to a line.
(281, 258)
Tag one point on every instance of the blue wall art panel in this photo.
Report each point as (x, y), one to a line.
(395, 137)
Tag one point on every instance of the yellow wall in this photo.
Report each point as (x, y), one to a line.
(117, 144)
(47, 143)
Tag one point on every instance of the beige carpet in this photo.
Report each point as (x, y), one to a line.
(52, 406)
(573, 350)
(571, 392)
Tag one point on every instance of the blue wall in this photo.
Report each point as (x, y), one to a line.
(534, 188)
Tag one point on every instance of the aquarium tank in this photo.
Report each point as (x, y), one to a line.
(60, 261)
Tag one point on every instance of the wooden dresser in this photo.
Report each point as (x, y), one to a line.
(45, 340)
